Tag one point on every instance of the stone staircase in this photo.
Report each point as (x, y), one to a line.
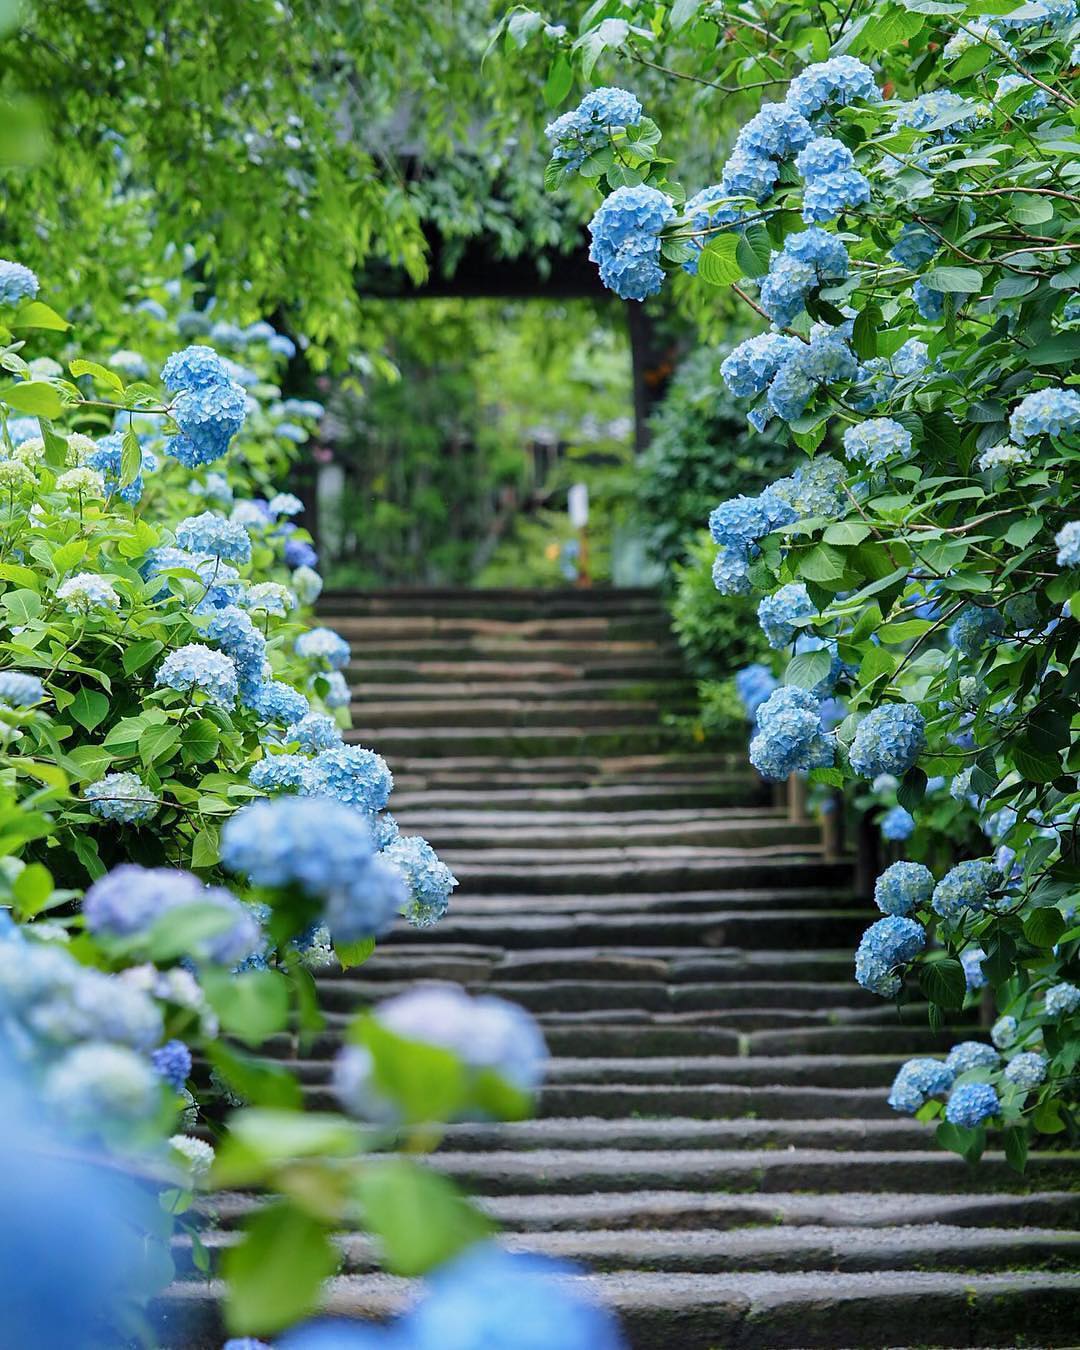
(713, 1139)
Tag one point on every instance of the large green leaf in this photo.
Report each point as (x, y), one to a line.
(418, 1218)
(275, 1275)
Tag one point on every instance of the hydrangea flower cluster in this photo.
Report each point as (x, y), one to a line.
(353, 775)
(95, 1083)
(841, 80)
(790, 734)
(232, 630)
(487, 1034)
(324, 647)
(122, 797)
(88, 593)
(915, 247)
(578, 133)
(916, 1082)
(197, 667)
(307, 585)
(1061, 999)
(965, 887)
(903, 887)
(314, 732)
(172, 1061)
(215, 536)
(970, 1055)
(269, 597)
(878, 442)
(754, 684)
(1026, 1070)
(1067, 540)
(129, 900)
(736, 527)
(17, 283)
(885, 947)
(626, 240)
(106, 459)
(19, 690)
(897, 823)
(971, 962)
(209, 407)
(1004, 1032)
(974, 627)
(779, 613)
(832, 182)
(427, 878)
(277, 702)
(970, 1104)
(808, 260)
(281, 773)
(1047, 412)
(889, 740)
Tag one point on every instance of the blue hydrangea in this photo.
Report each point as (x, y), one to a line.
(971, 961)
(428, 880)
(750, 368)
(209, 405)
(916, 1081)
(974, 627)
(1068, 544)
(88, 593)
(19, 690)
(731, 573)
(877, 442)
(246, 1342)
(970, 1104)
(353, 775)
(106, 457)
(965, 887)
(707, 210)
(49, 999)
(929, 303)
(232, 630)
(281, 773)
(746, 175)
(776, 132)
(269, 597)
(214, 535)
(886, 946)
(1057, 13)
(815, 489)
(122, 797)
(198, 667)
(338, 694)
(790, 734)
(277, 702)
(1047, 412)
(16, 283)
(314, 731)
(754, 684)
(970, 1055)
(915, 247)
(626, 240)
(808, 260)
(172, 1061)
(833, 184)
(897, 823)
(299, 553)
(840, 80)
(825, 360)
(903, 887)
(98, 1084)
(196, 367)
(741, 521)
(928, 108)
(307, 585)
(129, 900)
(586, 128)
(281, 345)
(889, 740)
(285, 504)
(253, 514)
(778, 614)
(1004, 1032)
(1061, 999)
(324, 646)
(1026, 1070)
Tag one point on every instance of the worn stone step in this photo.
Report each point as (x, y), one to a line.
(557, 685)
(807, 928)
(370, 630)
(551, 791)
(474, 665)
(649, 653)
(708, 1101)
(639, 869)
(567, 1171)
(588, 834)
(595, 770)
(745, 1310)
(525, 602)
(555, 740)
(488, 714)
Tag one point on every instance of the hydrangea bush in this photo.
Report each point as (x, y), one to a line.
(900, 220)
(185, 834)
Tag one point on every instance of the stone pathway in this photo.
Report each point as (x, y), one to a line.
(713, 1140)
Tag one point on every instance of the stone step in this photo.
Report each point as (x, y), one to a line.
(475, 665)
(631, 870)
(746, 1309)
(802, 928)
(650, 653)
(585, 836)
(810, 1247)
(553, 688)
(593, 770)
(490, 714)
(706, 1101)
(557, 740)
(590, 628)
(502, 792)
(570, 1171)
(524, 603)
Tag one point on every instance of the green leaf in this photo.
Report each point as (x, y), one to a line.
(559, 79)
(69, 555)
(200, 741)
(847, 532)
(427, 1082)
(32, 889)
(89, 708)
(101, 373)
(912, 790)
(1030, 209)
(823, 563)
(806, 669)
(419, 1218)
(275, 1275)
(260, 1081)
(1061, 350)
(38, 315)
(130, 459)
(206, 847)
(943, 982)
(140, 654)
(717, 265)
(251, 1005)
(1047, 1118)
(34, 397)
(754, 250)
(92, 761)
(963, 280)
(86, 850)
(867, 324)
(158, 741)
(682, 11)
(354, 953)
(183, 930)
(1034, 764)
(1044, 926)
(1016, 1147)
